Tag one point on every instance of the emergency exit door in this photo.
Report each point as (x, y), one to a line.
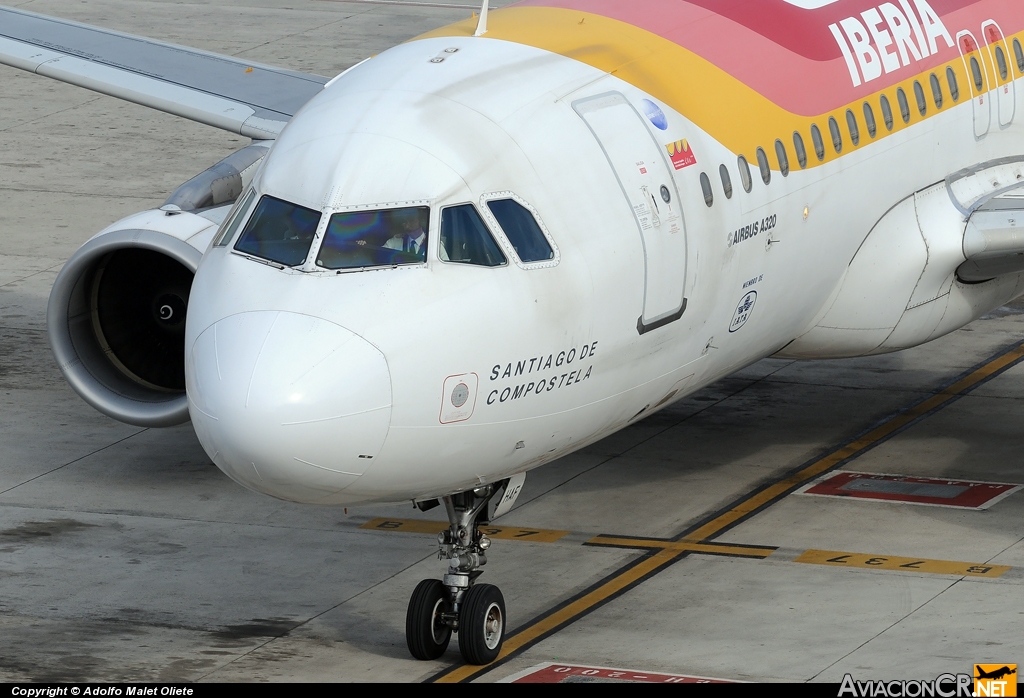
(977, 78)
(641, 167)
(999, 56)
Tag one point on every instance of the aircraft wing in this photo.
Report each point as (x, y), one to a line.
(246, 98)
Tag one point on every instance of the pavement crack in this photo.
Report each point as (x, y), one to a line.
(55, 113)
(317, 615)
(72, 462)
(884, 630)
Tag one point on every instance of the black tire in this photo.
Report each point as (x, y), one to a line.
(425, 633)
(482, 624)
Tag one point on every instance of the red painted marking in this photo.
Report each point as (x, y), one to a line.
(783, 52)
(572, 673)
(963, 494)
(681, 154)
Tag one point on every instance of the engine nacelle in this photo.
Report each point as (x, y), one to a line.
(116, 315)
(932, 264)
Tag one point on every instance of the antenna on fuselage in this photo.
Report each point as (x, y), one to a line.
(481, 24)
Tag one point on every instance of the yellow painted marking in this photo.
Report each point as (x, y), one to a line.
(567, 613)
(534, 535)
(666, 555)
(680, 77)
(683, 546)
(854, 448)
(836, 558)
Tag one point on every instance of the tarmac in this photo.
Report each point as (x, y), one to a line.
(677, 546)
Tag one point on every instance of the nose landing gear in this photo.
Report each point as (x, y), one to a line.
(457, 604)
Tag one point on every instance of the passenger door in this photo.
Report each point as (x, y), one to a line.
(641, 167)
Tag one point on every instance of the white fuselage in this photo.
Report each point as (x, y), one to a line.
(337, 387)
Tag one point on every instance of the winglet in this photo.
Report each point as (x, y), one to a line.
(481, 24)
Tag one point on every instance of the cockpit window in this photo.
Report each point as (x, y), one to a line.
(381, 238)
(522, 230)
(279, 231)
(466, 240)
(234, 219)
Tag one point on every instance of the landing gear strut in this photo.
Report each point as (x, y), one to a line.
(458, 604)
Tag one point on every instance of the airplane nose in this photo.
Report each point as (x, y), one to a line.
(287, 404)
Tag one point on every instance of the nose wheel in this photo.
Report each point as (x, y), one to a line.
(482, 624)
(426, 622)
(457, 604)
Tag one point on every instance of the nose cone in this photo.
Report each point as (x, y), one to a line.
(287, 404)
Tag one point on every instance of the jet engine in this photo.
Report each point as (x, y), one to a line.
(116, 314)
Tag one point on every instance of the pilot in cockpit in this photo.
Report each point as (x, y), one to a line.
(410, 236)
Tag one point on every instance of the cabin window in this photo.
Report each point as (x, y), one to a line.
(705, 187)
(783, 157)
(762, 164)
(279, 231)
(979, 82)
(954, 88)
(1019, 53)
(380, 238)
(1001, 62)
(819, 142)
(837, 138)
(723, 172)
(869, 120)
(745, 178)
(901, 97)
(851, 124)
(522, 230)
(922, 103)
(466, 240)
(801, 151)
(886, 112)
(936, 90)
(234, 219)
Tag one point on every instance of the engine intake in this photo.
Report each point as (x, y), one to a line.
(116, 322)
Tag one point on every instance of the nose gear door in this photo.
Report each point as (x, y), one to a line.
(643, 173)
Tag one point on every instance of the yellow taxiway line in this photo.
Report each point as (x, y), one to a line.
(663, 553)
(837, 558)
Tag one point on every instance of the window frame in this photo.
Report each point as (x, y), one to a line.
(888, 118)
(938, 99)
(311, 252)
(818, 142)
(727, 188)
(852, 127)
(746, 179)
(490, 231)
(763, 166)
(503, 241)
(801, 149)
(1002, 67)
(1018, 53)
(869, 120)
(922, 100)
(836, 134)
(433, 222)
(706, 190)
(782, 156)
(904, 104)
(953, 84)
(977, 76)
(236, 216)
